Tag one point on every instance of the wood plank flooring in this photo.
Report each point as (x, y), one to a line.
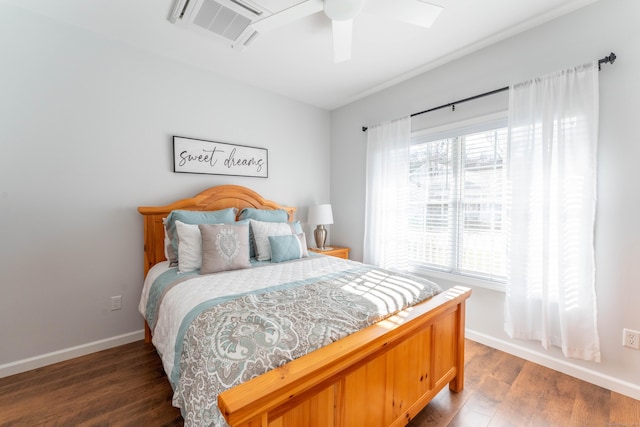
(126, 386)
(504, 390)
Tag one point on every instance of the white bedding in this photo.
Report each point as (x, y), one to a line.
(182, 298)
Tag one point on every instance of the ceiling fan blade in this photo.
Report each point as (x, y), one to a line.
(416, 12)
(288, 15)
(342, 35)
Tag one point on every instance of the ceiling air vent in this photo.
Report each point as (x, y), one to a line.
(228, 19)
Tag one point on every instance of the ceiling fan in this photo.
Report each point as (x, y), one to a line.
(342, 13)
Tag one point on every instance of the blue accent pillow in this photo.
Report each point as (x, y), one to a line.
(288, 247)
(223, 216)
(265, 215)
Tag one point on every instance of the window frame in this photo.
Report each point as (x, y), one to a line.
(449, 130)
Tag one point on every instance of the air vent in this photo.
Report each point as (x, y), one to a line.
(229, 19)
(221, 20)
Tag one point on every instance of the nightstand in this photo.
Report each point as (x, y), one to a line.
(336, 251)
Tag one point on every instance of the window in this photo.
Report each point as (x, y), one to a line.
(456, 201)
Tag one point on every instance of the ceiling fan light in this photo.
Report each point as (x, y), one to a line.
(342, 10)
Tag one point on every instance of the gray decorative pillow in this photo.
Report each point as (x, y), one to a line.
(224, 247)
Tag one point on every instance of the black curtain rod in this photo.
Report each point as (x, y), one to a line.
(606, 60)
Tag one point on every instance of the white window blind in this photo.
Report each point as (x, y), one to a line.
(457, 198)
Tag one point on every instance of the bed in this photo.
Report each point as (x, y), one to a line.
(381, 374)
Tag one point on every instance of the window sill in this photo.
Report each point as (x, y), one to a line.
(458, 279)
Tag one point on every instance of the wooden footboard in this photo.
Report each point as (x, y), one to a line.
(380, 376)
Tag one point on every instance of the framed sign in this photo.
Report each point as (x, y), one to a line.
(218, 158)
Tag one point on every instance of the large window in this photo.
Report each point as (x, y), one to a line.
(457, 196)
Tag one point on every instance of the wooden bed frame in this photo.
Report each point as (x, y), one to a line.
(380, 376)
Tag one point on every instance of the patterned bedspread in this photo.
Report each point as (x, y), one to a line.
(228, 340)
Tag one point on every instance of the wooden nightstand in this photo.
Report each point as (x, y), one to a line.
(336, 251)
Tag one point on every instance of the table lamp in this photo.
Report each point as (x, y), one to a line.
(320, 215)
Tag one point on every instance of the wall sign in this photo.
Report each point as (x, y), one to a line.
(218, 158)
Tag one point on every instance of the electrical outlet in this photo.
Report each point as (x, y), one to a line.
(116, 303)
(631, 338)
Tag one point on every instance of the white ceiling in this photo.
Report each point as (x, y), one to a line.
(297, 60)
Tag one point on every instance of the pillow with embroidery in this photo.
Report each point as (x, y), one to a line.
(224, 247)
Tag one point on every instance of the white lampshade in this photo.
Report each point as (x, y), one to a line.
(320, 214)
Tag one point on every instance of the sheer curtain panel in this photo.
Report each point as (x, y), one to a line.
(387, 200)
(553, 138)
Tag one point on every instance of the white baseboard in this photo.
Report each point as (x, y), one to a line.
(580, 372)
(585, 374)
(68, 353)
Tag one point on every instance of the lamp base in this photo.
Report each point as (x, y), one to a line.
(320, 234)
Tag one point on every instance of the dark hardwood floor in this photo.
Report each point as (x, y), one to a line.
(127, 386)
(504, 390)
(124, 385)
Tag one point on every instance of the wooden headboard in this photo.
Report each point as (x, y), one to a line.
(214, 198)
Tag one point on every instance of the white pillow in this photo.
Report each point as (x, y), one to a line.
(262, 231)
(189, 247)
(167, 240)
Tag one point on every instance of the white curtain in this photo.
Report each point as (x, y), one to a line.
(553, 137)
(386, 221)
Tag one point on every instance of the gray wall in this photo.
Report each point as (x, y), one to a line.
(86, 126)
(573, 39)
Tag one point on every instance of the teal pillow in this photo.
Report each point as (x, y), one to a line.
(265, 215)
(288, 247)
(223, 216)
